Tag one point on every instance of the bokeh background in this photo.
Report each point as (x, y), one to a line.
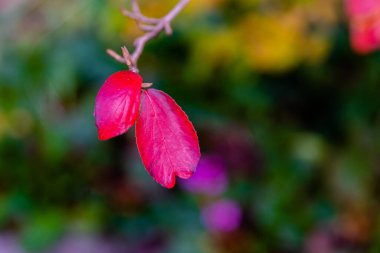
(286, 112)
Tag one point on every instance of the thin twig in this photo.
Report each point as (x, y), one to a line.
(139, 17)
(151, 27)
(115, 55)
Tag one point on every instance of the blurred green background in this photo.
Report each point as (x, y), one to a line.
(284, 109)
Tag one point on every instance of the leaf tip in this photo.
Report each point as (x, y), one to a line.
(168, 183)
(103, 136)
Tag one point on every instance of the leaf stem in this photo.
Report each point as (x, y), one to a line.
(151, 27)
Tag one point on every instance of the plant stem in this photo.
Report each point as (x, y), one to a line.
(151, 27)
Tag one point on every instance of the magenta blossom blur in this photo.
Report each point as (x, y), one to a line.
(222, 216)
(210, 177)
(319, 241)
(364, 20)
(86, 243)
(10, 244)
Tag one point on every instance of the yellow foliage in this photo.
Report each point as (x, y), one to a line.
(273, 36)
(199, 6)
(212, 49)
(271, 42)
(316, 49)
(320, 11)
(114, 24)
(278, 40)
(160, 8)
(3, 124)
(21, 122)
(156, 9)
(18, 123)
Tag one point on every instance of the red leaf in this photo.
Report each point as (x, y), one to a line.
(117, 104)
(166, 139)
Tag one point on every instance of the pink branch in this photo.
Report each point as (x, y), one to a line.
(151, 27)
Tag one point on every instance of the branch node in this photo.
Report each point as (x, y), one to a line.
(146, 85)
(151, 27)
(168, 28)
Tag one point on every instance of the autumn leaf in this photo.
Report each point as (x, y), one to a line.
(166, 139)
(117, 104)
